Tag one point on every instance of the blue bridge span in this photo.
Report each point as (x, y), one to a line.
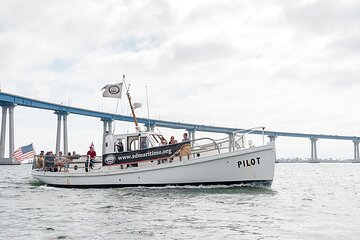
(9, 101)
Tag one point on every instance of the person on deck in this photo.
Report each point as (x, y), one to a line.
(172, 140)
(163, 141)
(185, 138)
(119, 146)
(49, 162)
(60, 160)
(40, 160)
(75, 155)
(186, 148)
(68, 159)
(90, 158)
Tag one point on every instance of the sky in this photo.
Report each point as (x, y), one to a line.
(287, 65)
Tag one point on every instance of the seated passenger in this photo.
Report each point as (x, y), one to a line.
(67, 159)
(49, 162)
(185, 138)
(59, 161)
(41, 160)
(163, 141)
(75, 155)
(172, 140)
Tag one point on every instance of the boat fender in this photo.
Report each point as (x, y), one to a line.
(198, 155)
(75, 167)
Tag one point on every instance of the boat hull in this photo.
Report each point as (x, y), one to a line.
(253, 165)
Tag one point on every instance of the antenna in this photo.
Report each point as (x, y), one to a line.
(147, 105)
(117, 105)
(116, 109)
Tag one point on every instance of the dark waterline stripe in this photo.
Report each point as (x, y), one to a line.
(257, 183)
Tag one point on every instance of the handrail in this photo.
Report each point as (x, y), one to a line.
(70, 160)
(206, 138)
(245, 131)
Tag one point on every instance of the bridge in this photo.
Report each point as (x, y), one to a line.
(9, 101)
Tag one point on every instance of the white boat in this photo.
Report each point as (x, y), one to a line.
(145, 161)
(208, 163)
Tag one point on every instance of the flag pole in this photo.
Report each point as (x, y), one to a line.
(32, 145)
(147, 104)
(131, 106)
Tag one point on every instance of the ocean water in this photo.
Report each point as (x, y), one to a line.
(306, 201)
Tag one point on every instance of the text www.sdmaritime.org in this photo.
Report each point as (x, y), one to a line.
(147, 154)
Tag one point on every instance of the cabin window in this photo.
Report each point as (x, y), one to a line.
(133, 143)
(155, 138)
(119, 145)
(144, 142)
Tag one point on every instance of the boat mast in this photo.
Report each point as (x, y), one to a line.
(131, 106)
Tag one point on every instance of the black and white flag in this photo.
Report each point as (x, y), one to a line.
(112, 90)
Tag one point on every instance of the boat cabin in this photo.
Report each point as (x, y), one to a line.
(132, 141)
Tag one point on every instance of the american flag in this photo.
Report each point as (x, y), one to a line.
(24, 152)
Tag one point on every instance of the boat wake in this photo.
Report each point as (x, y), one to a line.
(215, 186)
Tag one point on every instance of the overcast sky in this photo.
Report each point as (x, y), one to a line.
(286, 65)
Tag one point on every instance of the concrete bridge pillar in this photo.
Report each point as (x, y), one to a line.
(58, 133)
(313, 150)
(150, 128)
(61, 116)
(356, 151)
(5, 109)
(107, 129)
(11, 131)
(3, 131)
(65, 133)
(272, 138)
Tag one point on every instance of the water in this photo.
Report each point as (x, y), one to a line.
(306, 201)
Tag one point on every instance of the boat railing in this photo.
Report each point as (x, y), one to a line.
(198, 148)
(240, 142)
(63, 163)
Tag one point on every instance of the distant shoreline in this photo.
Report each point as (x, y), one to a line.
(317, 161)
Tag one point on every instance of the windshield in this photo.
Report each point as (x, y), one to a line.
(157, 138)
